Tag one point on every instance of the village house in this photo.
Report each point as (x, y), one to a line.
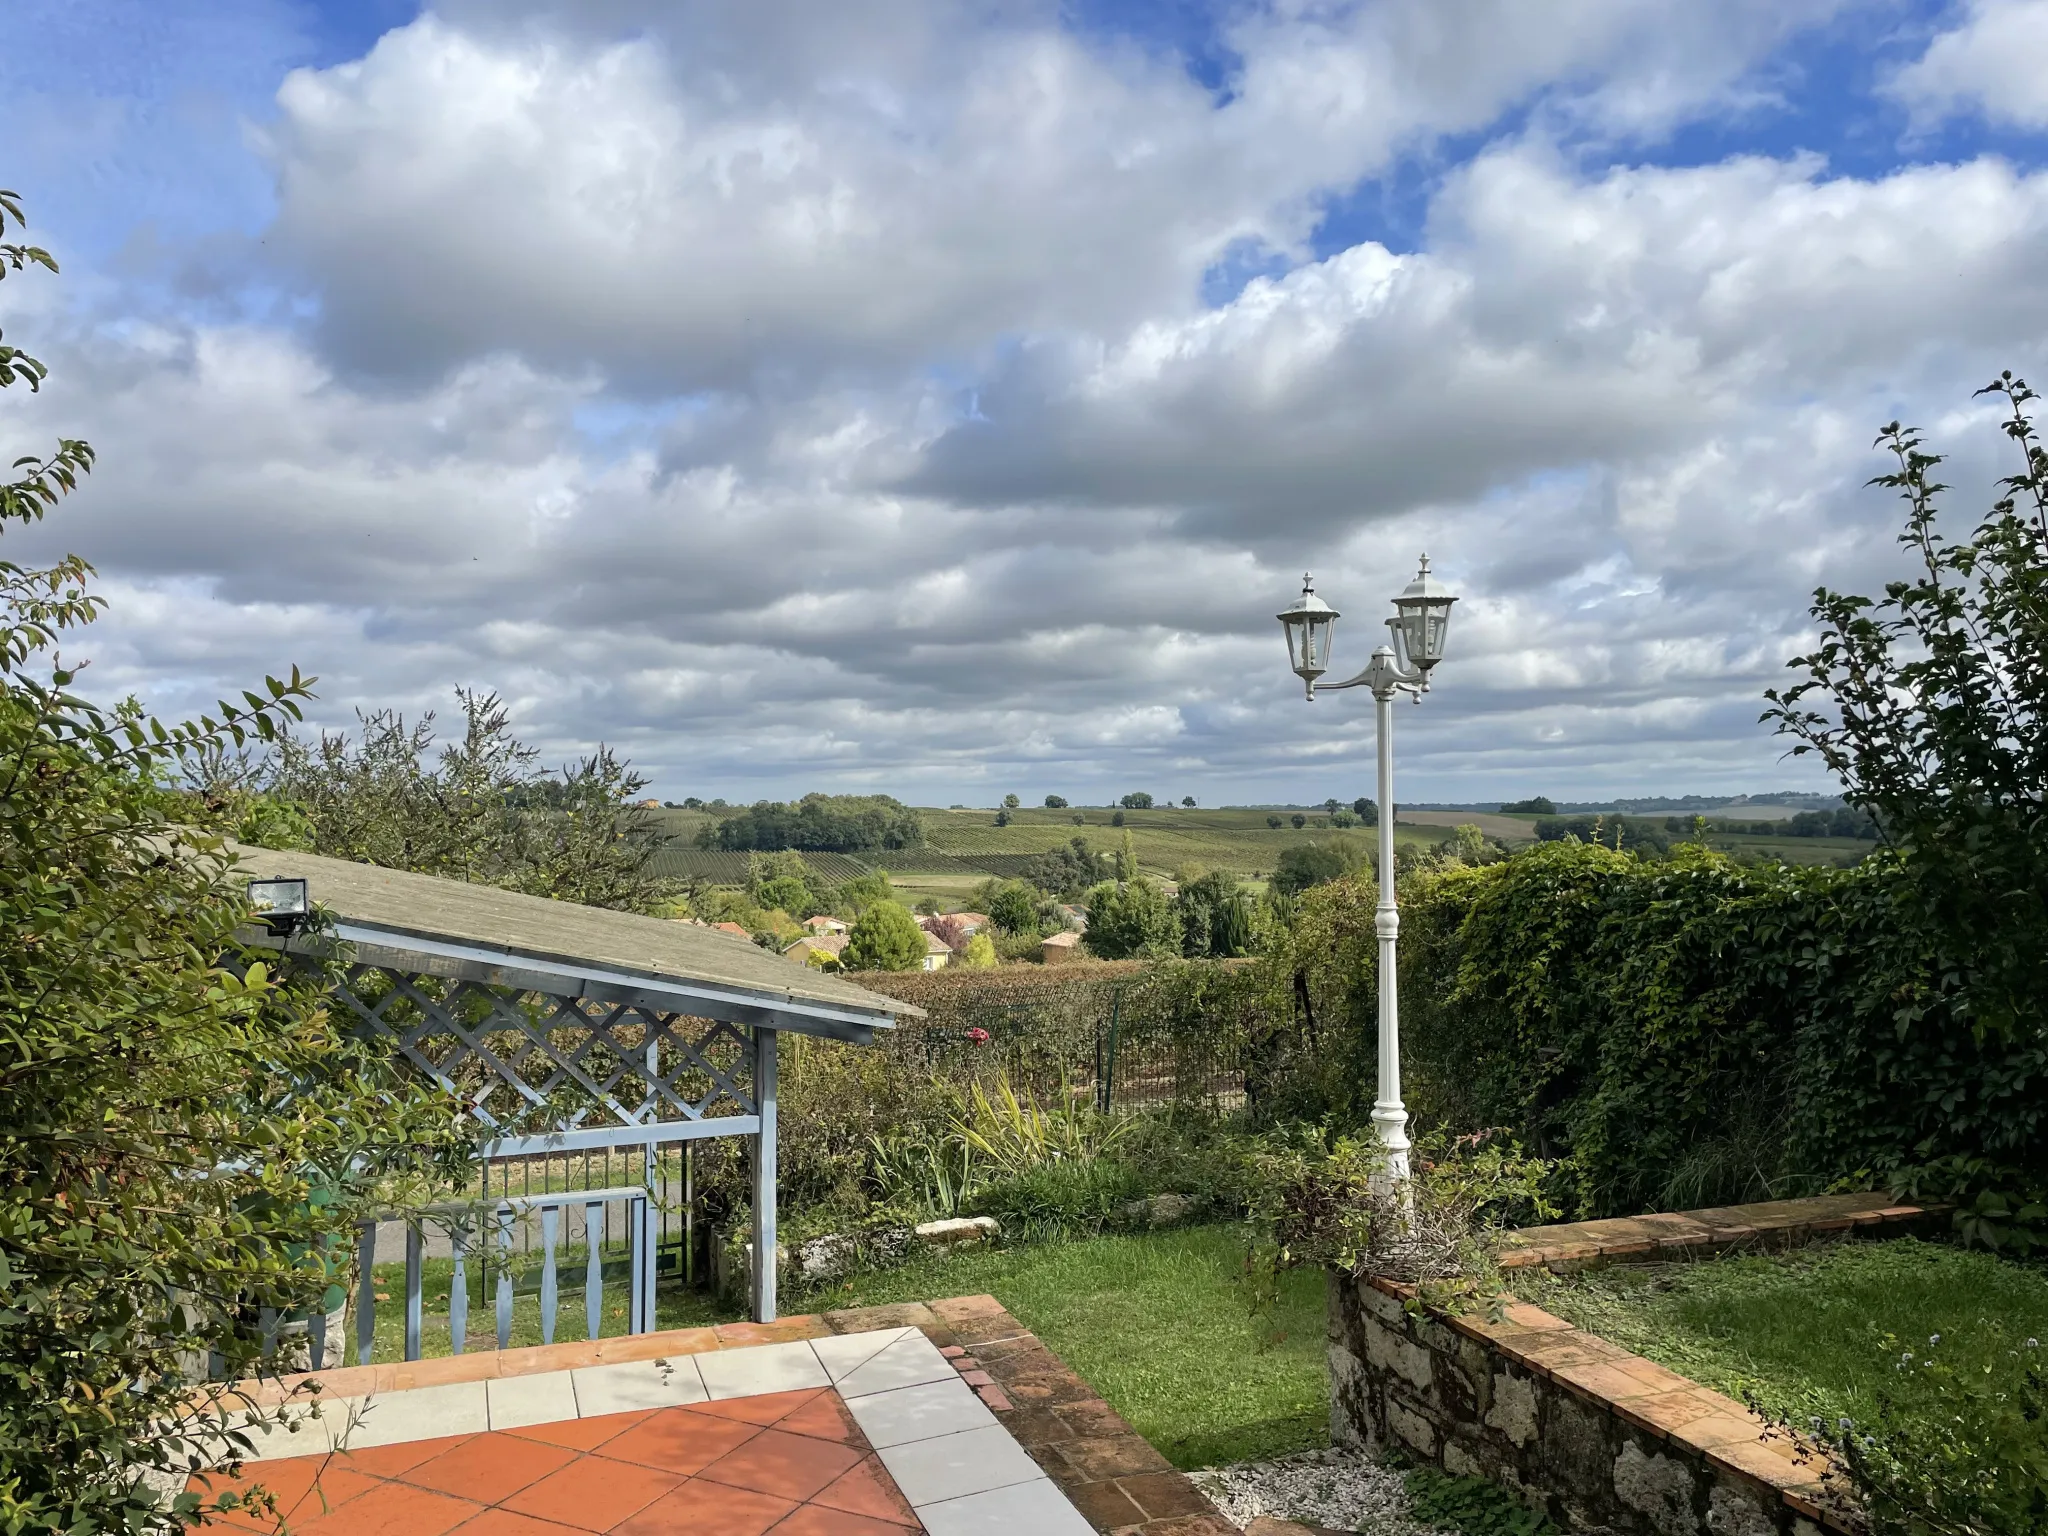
(1061, 949)
(820, 951)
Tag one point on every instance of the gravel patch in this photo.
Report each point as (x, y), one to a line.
(1344, 1490)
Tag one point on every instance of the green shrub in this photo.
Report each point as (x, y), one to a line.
(186, 1131)
(1329, 1202)
(1470, 1506)
(1694, 1031)
(886, 938)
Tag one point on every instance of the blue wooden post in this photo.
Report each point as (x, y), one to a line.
(505, 1277)
(593, 1269)
(366, 1293)
(764, 1176)
(413, 1318)
(550, 1229)
(458, 1287)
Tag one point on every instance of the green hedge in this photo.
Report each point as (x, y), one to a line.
(1693, 1030)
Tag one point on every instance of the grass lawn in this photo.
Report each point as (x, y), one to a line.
(1807, 1331)
(1155, 1323)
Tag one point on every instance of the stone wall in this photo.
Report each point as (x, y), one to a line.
(1591, 1434)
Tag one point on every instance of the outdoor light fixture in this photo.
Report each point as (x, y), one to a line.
(1309, 625)
(1422, 618)
(281, 905)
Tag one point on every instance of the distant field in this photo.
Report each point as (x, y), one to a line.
(1793, 850)
(1512, 829)
(1165, 839)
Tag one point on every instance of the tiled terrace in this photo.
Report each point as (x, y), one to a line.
(945, 1417)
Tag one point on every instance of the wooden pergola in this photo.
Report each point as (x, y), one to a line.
(567, 1028)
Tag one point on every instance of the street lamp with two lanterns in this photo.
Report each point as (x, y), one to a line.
(1422, 616)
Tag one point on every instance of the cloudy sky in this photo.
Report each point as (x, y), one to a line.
(942, 397)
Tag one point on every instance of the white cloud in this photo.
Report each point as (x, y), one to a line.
(645, 339)
(1993, 63)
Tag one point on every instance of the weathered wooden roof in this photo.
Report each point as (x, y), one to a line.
(436, 926)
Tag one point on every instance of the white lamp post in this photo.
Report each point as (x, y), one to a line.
(1422, 614)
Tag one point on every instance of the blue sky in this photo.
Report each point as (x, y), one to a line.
(943, 398)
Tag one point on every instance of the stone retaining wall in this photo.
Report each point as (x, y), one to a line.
(1586, 1431)
(1594, 1435)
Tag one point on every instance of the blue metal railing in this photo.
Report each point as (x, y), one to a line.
(498, 1220)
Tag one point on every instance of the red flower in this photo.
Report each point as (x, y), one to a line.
(978, 1035)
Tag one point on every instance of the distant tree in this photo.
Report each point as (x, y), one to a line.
(978, 954)
(692, 803)
(950, 929)
(1332, 803)
(1015, 907)
(1080, 820)
(1342, 818)
(851, 898)
(821, 823)
(886, 938)
(1066, 871)
(1302, 865)
(1215, 917)
(1127, 858)
(1131, 920)
(1276, 822)
(1116, 818)
(1138, 801)
(1367, 810)
(1003, 815)
(1539, 805)
(480, 809)
(1011, 802)
(1055, 802)
(1188, 801)
(1299, 820)
(1468, 845)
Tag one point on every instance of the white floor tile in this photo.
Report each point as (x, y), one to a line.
(1026, 1509)
(954, 1466)
(602, 1389)
(300, 1435)
(909, 1362)
(419, 1413)
(761, 1368)
(844, 1353)
(919, 1413)
(515, 1401)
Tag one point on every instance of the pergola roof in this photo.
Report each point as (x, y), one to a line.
(441, 927)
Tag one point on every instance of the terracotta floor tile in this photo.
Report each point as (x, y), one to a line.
(390, 1460)
(680, 1440)
(707, 1509)
(391, 1509)
(304, 1487)
(824, 1418)
(867, 1489)
(789, 1466)
(582, 1434)
(766, 1408)
(593, 1493)
(815, 1520)
(490, 1468)
(506, 1522)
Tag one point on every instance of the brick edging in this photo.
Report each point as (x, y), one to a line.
(1716, 1229)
